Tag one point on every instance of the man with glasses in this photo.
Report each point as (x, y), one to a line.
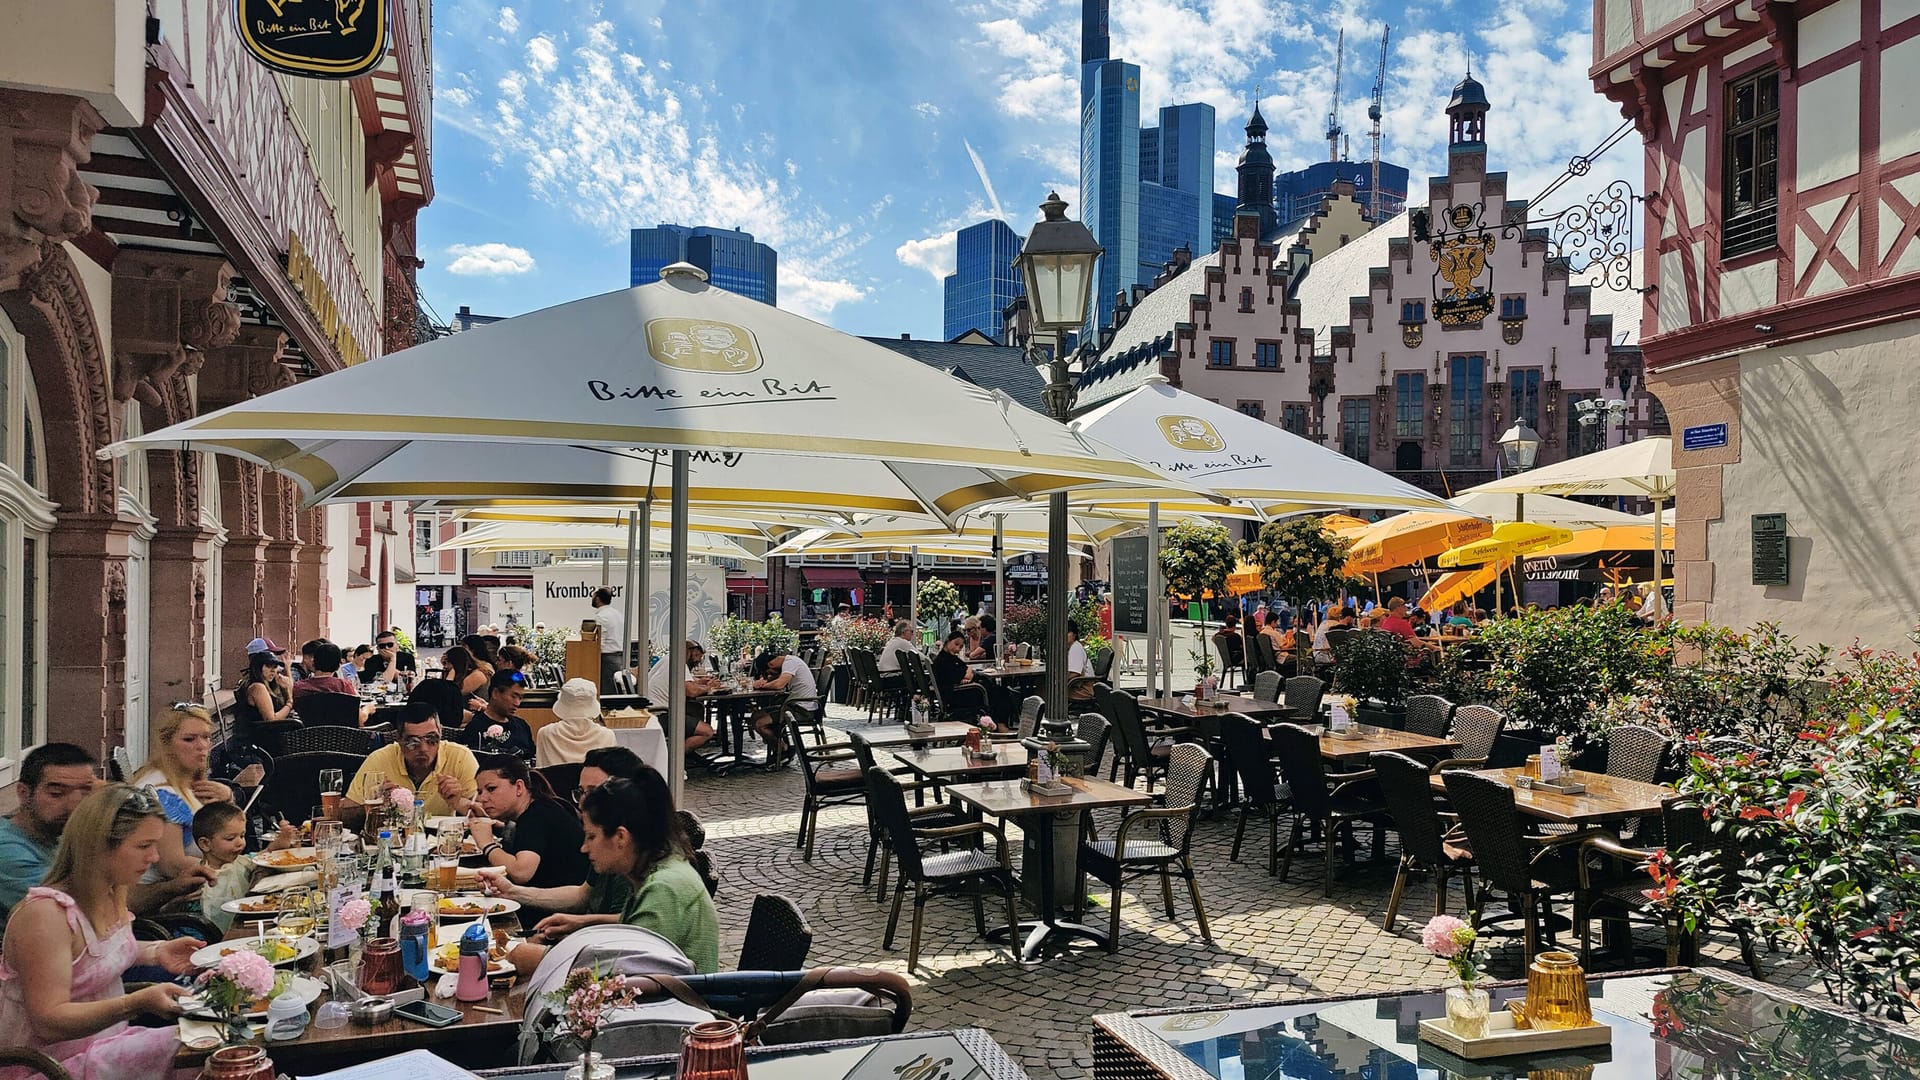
(495, 728)
(388, 658)
(438, 771)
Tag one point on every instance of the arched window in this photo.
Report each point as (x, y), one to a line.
(26, 519)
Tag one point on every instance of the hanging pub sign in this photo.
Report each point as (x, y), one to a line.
(315, 39)
(1461, 253)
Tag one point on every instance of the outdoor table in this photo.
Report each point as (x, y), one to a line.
(951, 763)
(1378, 738)
(732, 708)
(1703, 1022)
(649, 742)
(1010, 673)
(965, 1054)
(1607, 798)
(1205, 722)
(945, 732)
(1008, 800)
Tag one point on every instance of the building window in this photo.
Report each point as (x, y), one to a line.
(1255, 409)
(1413, 311)
(1266, 354)
(26, 518)
(1467, 387)
(1356, 427)
(1523, 389)
(424, 530)
(1750, 163)
(1220, 353)
(519, 560)
(1657, 419)
(1246, 299)
(1513, 306)
(1410, 404)
(1293, 418)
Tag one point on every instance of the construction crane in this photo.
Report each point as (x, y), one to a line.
(1373, 113)
(1333, 112)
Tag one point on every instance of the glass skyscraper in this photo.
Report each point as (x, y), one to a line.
(1298, 194)
(984, 280)
(732, 259)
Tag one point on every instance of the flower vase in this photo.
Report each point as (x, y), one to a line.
(236, 1030)
(591, 1066)
(1467, 1008)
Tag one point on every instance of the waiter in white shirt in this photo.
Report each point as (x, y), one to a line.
(613, 638)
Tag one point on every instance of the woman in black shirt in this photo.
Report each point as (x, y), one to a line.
(543, 848)
(964, 698)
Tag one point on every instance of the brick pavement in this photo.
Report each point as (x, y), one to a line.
(1273, 939)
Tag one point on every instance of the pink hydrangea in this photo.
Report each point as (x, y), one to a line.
(1443, 938)
(987, 724)
(401, 797)
(354, 914)
(247, 970)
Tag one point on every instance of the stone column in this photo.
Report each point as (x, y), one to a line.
(87, 630)
(245, 368)
(281, 512)
(310, 577)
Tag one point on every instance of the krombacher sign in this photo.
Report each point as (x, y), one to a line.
(317, 39)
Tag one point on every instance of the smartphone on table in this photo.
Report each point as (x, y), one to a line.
(428, 1013)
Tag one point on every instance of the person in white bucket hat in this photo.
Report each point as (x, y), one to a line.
(576, 728)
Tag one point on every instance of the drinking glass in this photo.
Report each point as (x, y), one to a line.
(446, 871)
(332, 787)
(296, 917)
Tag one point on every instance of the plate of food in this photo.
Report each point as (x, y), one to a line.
(261, 904)
(472, 906)
(446, 959)
(286, 858)
(278, 950)
(301, 988)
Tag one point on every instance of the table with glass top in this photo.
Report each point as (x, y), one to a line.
(1674, 1025)
(965, 1054)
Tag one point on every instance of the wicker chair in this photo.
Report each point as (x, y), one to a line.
(925, 815)
(294, 787)
(1634, 752)
(1266, 686)
(337, 740)
(1232, 656)
(1032, 709)
(1476, 728)
(1303, 695)
(1249, 754)
(1113, 862)
(1094, 730)
(562, 777)
(1529, 870)
(1332, 807)
(326, 710)
(832, 780)
(1622, 895)
(1429, 715)
(1259, 656)
(778, 937)
(966, 871)
(35, 1061)
(1143, 756)
(1424, 840)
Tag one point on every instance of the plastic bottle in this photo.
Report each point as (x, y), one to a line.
(414, 944)
(473, 964)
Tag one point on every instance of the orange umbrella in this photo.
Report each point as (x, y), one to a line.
(1450, 589)
(1409, 538)
(1612, 538)
(1345, 525)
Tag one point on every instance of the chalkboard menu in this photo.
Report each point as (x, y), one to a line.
(1130, 585)
(1770, 549)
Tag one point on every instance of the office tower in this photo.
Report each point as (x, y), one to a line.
(733, 260)
(1110, 174)
(983, 281)
(1298, 194)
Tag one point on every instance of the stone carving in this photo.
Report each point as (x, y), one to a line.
(44, 139)
(117, 583)
(52, 311)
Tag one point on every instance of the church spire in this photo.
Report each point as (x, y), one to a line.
(1256, 173)
(1467, 114)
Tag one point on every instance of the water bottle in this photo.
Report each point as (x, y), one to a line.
(413, 944)
(473, 964)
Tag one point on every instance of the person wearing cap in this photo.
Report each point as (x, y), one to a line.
(613, 638)
(660, 688)
(265, 693)
(496, 727)
(576, 730)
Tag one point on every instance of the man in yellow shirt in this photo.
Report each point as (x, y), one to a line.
(438, 771)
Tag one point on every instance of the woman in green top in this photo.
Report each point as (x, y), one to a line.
(631, 829)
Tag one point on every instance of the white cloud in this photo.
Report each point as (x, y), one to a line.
(927, 110)
(934, 254)
(816, 297)
(456, 95)
(509, 22)
(542, 57)
(488, 260)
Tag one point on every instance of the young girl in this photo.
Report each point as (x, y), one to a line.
(220, 829)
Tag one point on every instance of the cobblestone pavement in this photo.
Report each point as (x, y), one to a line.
(1272, 939)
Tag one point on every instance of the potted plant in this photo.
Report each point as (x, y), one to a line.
(1372, 668)
(1203, 667)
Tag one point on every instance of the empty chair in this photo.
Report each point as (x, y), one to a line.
(1103, 664)
(778, 937)
(1144, 757)
(1476, 728)
(924, 815)
(339, 740)
(1529, 870)
(329, 709)
(1093, 729)
(1032, 709)
(1248, 752)
(1429, 715)
(1232, 656)
(967, 871)
(1621, 894)
(1316, 799)
(1267, 685)
(1302, 695)
(1424, 841)
(1164, 850)
(1259, 655)
(832, 778)
(1634, 752)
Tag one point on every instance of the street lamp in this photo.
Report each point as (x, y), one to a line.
(1056, 267)
(1519, 446)
(1595, 412)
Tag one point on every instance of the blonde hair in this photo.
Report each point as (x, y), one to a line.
(101, 823)
(161, 759)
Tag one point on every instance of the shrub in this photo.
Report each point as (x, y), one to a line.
(1299, 559)
(1026, 624)
(1195, 559)
(1372, 664)
(939, 599)
(1550, 668)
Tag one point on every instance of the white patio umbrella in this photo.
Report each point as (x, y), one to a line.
(677, 365)
(534, 536)
(1643, 468)
(1542, 510)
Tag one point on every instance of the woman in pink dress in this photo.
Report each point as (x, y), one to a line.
(68, 941)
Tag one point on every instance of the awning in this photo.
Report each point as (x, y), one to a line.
(905, 577)
(833, 577)
(745, 584)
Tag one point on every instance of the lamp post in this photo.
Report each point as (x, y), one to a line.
(1519, 446)
(1056, 267)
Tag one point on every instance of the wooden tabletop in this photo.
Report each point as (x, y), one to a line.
(1007, 799)
(1376, 738)
(944, 731)
(1607, 798)
(997, 671)
(1242, 705)
(947, 762)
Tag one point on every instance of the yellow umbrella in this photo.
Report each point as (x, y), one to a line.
(1345, 525)
(1510, 540)
(1245, 578)
(1450, 589)
(1613, 538)
(1412, 537)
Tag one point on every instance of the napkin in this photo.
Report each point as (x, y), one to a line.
(195, 1033)
(282, 882)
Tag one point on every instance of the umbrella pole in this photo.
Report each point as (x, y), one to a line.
(913, 586)
(643, 590)
(1156, 588)
(1659, 571)
(1056, 681)
(677, 633)
(606, 566)
(999, 577)
(626, 602)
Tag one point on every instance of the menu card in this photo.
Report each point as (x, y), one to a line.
(1337, 719)
(339, 936)
(1549, 762)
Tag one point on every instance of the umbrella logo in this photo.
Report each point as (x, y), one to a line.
(703, 345)
(1191, 433)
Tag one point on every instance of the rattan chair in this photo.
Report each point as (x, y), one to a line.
(1315, 798)
(1232, 656)
(968, 871)
(1094, 730)
(1303, 695)
(1634, 752)
(1249, 754)
(326, 710)
(1032, 709)
(1622, 895)
(925, 815)
(778, 937)
(35, 1061)
(307, 739)
(1476, 728)
(294, 788)
(1144, 757)
(1429, 715)
(562, 777)
(1529, 870)
(1267, 686)
(1126, 856)
(832, 779)
(1425, 840)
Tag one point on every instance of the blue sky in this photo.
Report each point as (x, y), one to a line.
(855, 137)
